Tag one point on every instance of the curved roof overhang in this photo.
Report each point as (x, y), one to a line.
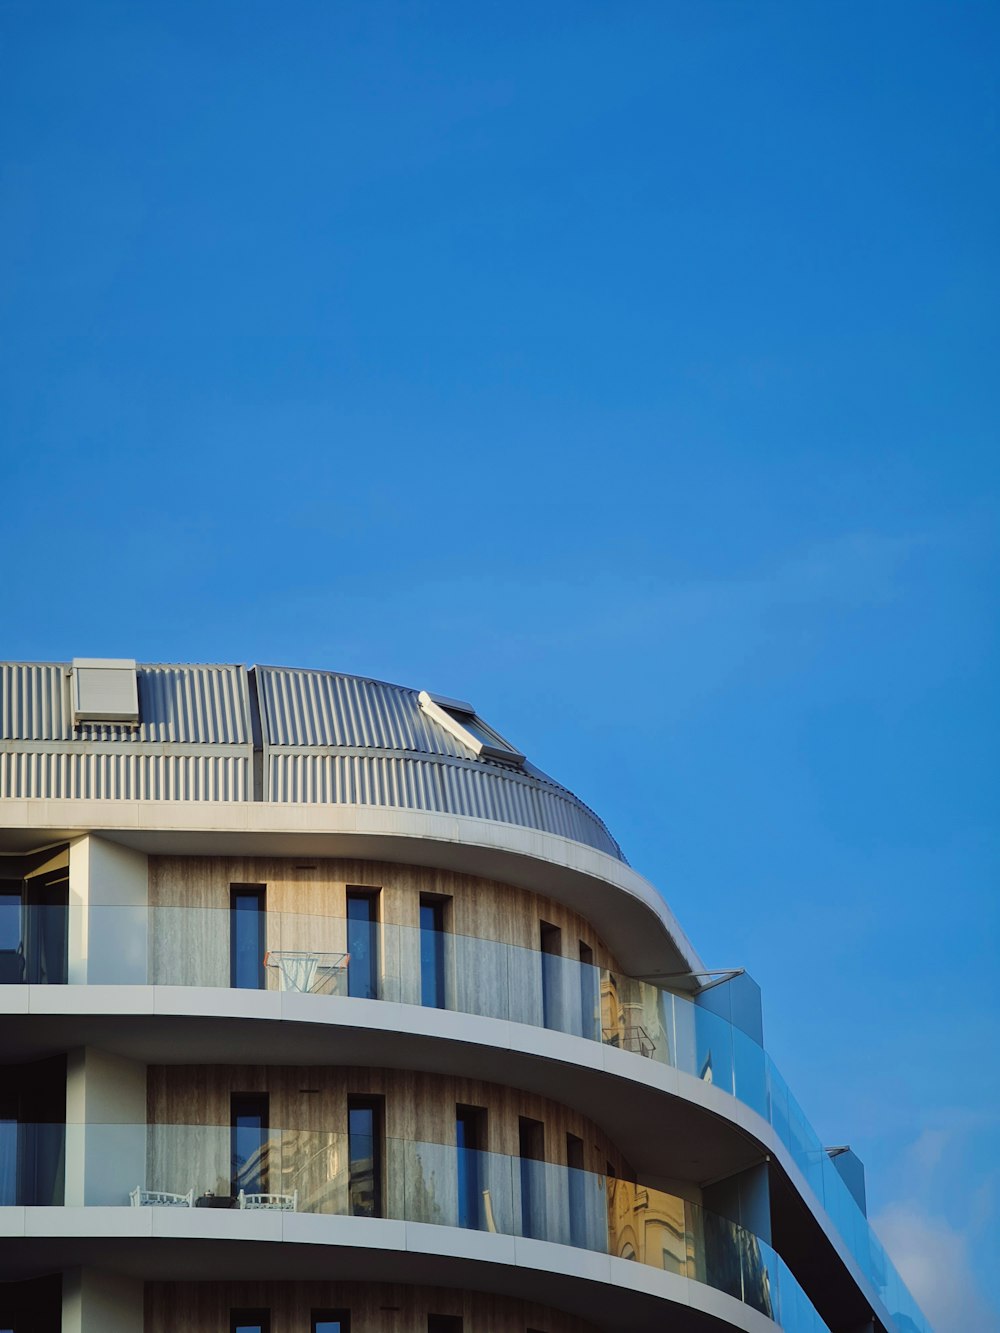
(631, 917)
(201, 1244)
(678, 1126)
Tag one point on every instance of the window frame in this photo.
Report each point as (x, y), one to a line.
(262, 1101)
(258, 892)
(433, 943)
(373, 896)
(376, 1105)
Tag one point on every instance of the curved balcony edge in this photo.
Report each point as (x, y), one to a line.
(173, 1023)
(632, 917)
(165, 1243)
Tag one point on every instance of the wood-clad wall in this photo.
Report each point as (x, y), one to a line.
(418, 1107)
(306, 1148)
(204, 1307)
(484, 908)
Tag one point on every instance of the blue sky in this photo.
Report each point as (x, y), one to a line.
(628, 369)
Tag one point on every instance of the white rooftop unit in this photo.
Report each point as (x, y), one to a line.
(105, 689)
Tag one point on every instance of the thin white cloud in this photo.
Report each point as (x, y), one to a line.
(933, 1260)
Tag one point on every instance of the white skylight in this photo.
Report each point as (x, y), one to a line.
(463, 722)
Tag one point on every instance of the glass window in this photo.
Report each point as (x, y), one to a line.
(331, 1321)
(248, 1141)
(8, 1160)
(531, 1146)
(250, 1321)
(11, 949)
(432, 953)
(247, 939)
(577, 1190)
(364, 1143)
(590, 995)
(362, 944)
(46, 937)
(10, 917)
(465, 724)
(551, 947)
(470, 1142)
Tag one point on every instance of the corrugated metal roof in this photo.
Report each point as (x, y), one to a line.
(129, 775)
(326, 737)
(323, 708)
(431, 769)
(196, 705)
(413, 783)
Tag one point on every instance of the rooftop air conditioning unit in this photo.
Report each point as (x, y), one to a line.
(105, 689)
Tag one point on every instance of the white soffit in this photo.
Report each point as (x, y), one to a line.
(105, 689)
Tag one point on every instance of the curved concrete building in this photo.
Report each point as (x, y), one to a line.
(322, 1009)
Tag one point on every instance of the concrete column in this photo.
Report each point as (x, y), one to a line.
(108, 913)
(98, 1302)
(105, 1127)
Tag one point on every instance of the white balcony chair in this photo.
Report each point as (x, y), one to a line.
(278, 1203)
(160, 1199)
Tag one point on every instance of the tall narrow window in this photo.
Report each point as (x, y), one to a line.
(46, 936)
(248, 1142)
(11, 945)
(362, 944)
(577, 1191)
(589, 993)
(250, 1321)
(531, 1138)
(474, 1207)
(331, 1321)
(432, 991)
(364, 1151)
(551, 942)
(8, 1150)
(247, 938)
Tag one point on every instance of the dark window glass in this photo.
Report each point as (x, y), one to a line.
(8, 1161)
(444, 1323)
(248, 1141)
(589, 993)
(247, 939)
(362, 945)
(470, 1141)
(364, 1143)
(531, 1135)
(250, 1321)
(10, 917)
(331, 1321)
(432, 954)
(11, 945)
(577, 1191)
(551, 941)
(46, 937)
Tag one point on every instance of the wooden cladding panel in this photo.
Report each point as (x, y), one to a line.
(203, 1307)
(483, 908)
(418, 1107)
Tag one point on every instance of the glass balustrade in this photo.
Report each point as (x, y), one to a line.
(32, 1163)
(310, 955)
(315, 1171)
